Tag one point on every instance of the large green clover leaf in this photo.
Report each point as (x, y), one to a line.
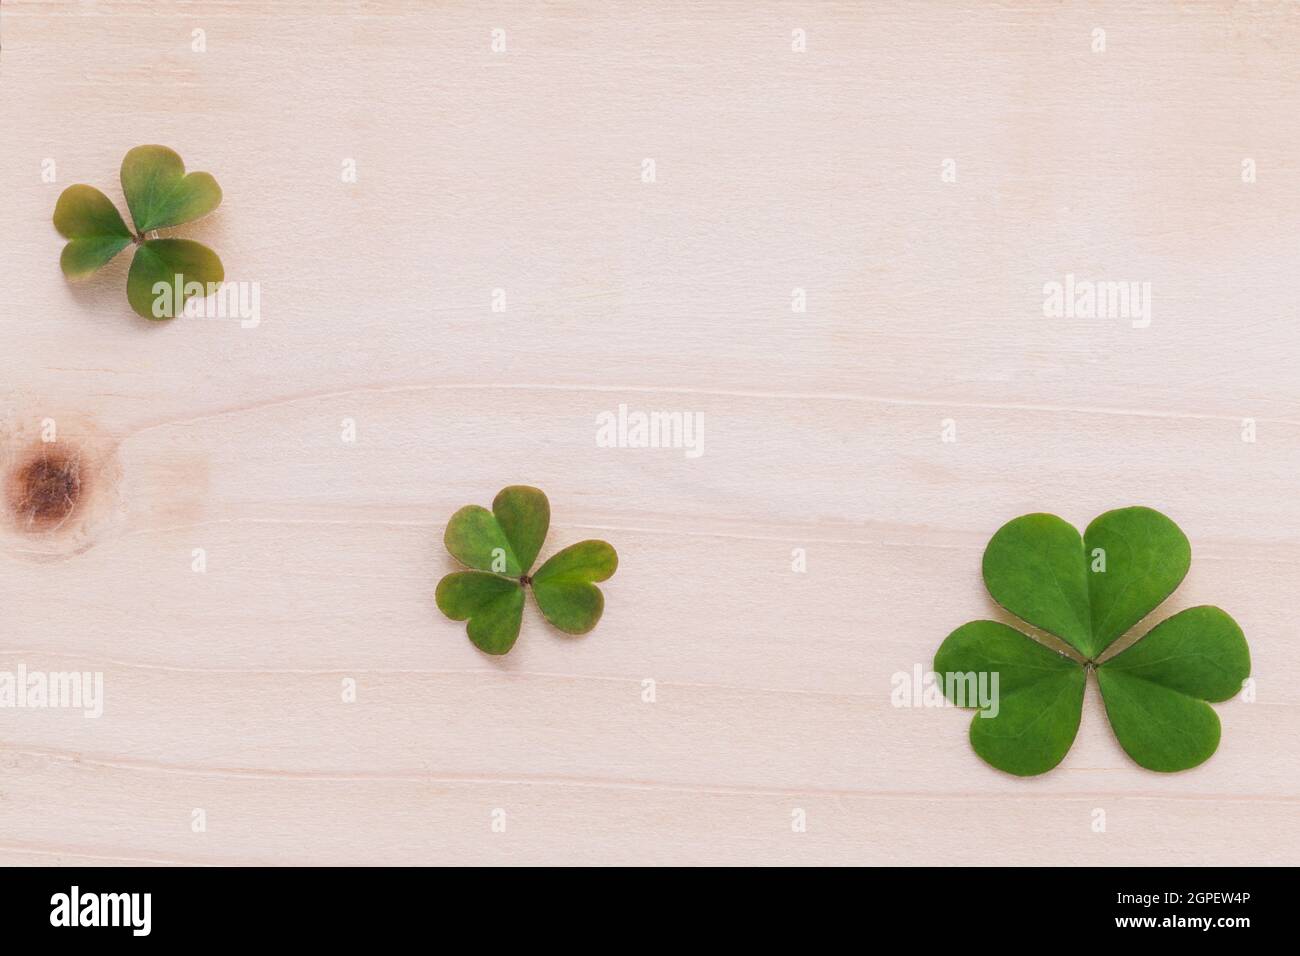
(500, 547)
(164, 273)
(1089, 591)
(1156, 690)
(1040, 695)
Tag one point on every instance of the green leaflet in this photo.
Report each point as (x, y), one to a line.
(159, 194)
(1034, 567)
(95, 230)
(493, 605)
(565, 585)
(1146, 556)
(1156, 690)
(1039, 695)
(166, 273)
(501, 546)
(1089, 591)
(1040, 570)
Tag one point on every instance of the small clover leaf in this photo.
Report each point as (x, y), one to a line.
(1089, 591)
(565, 586)
(504, 540)
(159, 194)
(493, 605)
(173, 263)
(93, 227)
(500, 547)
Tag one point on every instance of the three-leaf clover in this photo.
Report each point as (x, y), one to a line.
(165, 272)
(1088, 592)
(500, 546)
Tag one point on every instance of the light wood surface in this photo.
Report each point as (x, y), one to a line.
(522, 171)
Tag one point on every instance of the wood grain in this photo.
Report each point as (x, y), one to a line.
(522, 171)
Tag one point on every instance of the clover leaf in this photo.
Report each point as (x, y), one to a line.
(500, 547)
(159, 194)
(1089, 591)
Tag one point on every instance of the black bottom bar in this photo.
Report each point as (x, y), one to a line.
(335, 906)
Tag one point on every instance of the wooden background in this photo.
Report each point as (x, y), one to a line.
(521, 171)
